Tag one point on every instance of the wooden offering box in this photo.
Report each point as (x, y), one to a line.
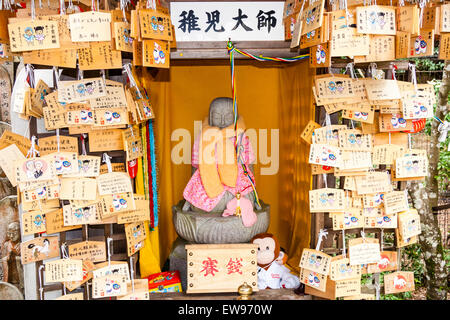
(221, 267)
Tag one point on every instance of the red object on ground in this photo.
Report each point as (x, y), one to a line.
(168, 281)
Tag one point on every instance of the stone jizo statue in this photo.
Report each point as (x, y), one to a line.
(218, 174)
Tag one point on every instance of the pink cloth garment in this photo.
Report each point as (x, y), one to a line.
(247, 213)
(195, 192)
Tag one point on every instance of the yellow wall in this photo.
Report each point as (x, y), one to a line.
(270, 96)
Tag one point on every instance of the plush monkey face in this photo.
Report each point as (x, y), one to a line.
(268, 248)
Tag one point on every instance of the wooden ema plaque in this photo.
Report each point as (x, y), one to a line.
(337, 289)
(221, 267)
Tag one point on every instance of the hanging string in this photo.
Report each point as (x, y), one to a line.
(443, 128)
(350, 68)
(363, 235)
(64, 251)
(234, 96)
(389, 138)
(56, 76)
(132, 273)
(344, 250)
(32, 152)
(30, 75)
(80, 75)
(373, 69)
(108, 241)
(133, 84)
(382, 239)
(103, 74)
(123, 4)
(324, 177)
(412, 68)
(33, 10)
(41, 288)
(422, 4)
(57, 138)
(409, 141)
(83, 144)
(344, 2)
(322, 233)
(352, 124)
(107, 160)
(231, 49)
(238, 145)
(327, 123)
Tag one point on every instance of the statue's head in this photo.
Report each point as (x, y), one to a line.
(221, 112)
(13, 232)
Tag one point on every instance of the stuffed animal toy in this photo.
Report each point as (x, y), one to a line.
(271, 273)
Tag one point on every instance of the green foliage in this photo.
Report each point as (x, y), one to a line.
(425, 64)
(412, 260)
(397, 296)
(443, 166)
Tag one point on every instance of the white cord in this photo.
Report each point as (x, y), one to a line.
(322, 233)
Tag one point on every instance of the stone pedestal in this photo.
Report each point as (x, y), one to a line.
(195, 227)
(198, 227)
(178, 260)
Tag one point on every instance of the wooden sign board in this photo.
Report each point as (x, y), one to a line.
(364, 250)
(411, 167)
(90, 26)
(327, 200)
(94, 251)
(31, 35)
(336, 289)
(376, 20)
(444, 46)
(388, 262)
(313, 16)
(381, 48)
(105, 140)
(324, 154)
(307, 133)
(99, 55)
(63, 270)
(88, 266)
(8, 138)
(221, 267)
(401, 281)
(72, 296)
(55, 222)
(313, 279)
(49, 145)
(340, 269)
(409, 224)
(38, 249)
(109, 286)
(422, 45)
(315, 260)
(156, 53)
